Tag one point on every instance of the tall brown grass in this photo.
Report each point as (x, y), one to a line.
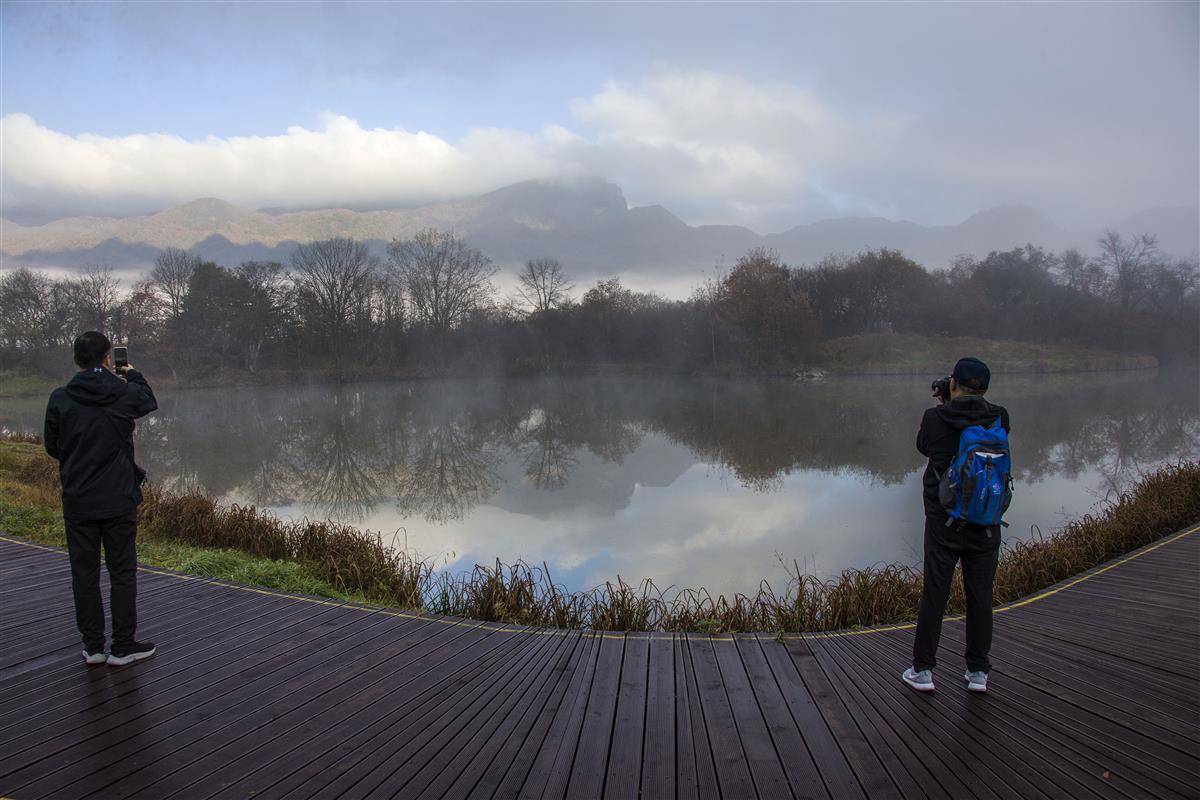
(358, 562)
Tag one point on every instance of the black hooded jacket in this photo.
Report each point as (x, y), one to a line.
(89, 430)
(938, 439)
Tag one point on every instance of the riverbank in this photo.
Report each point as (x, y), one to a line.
(16, 383)
(191, 533)
(905, 354)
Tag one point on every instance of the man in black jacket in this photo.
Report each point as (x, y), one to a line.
(977, 546)
(89, 431)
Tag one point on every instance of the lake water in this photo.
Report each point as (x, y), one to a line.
(713, 483)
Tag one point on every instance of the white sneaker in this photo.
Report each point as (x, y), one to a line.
(921, 681)
(94, 658)
(976, 681)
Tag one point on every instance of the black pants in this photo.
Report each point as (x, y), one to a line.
(120, 553)
(978, 548)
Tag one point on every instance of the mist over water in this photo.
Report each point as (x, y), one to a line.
(715, 483)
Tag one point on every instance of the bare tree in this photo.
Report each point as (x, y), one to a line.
(26, 302)
(542, 284)
(141, 315)
(334, 278)
(1129, 263)
(172, 271)
(97, 295)
(265, 306)
(445, 279)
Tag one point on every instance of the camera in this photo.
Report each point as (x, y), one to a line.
(941, 389)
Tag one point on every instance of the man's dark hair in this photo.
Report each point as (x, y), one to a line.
(90, 349)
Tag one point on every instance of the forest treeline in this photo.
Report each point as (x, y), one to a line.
(432, 306)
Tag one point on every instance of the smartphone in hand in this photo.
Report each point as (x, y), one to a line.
(120, 358)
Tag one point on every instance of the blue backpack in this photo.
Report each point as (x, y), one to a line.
(977, 486)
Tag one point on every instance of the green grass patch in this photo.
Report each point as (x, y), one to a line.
(42, 525)
(31, 513)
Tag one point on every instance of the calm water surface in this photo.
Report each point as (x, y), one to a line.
(690, 482)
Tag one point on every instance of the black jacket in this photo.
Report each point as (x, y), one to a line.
(89, 430)
(938, 439)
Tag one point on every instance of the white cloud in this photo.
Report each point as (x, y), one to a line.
(717, 147)
(340, 162)
(713, 147)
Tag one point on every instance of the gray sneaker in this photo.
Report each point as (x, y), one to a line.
(921, 681)
(976, 681)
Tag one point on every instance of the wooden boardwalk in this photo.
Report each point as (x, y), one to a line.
(1094, 694)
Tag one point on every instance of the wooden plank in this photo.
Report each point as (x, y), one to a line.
(129, 715)
(319, 698)
(624, 775)
(176, 727)
(895, 745)
(698, 772)
(552, 769)
(762, 758)
(391, 715)
(840, 780)
(658, 751)
(729, 757)
(1041, 671)
(553, 759)
(529, 738)
(460, 777)
(591, 757)
(184, 639)
(345, 701)
(1003, 725)
(993, 765)
(1084, 724)
(1160, 686)
(427, 758)
(877, 777)
(795, 758)
(169, 666)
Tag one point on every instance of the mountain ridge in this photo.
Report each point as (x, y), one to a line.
(587, 224)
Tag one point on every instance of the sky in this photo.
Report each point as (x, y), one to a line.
(766, 115)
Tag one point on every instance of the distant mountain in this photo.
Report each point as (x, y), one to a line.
(587, 225)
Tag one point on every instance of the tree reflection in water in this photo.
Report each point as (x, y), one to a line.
(438, 448)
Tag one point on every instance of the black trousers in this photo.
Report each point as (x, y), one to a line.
(978, 549)
(84, 540)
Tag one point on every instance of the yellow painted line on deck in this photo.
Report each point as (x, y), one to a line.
(393, 612)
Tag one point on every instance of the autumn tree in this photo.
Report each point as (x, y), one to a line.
(759, 299)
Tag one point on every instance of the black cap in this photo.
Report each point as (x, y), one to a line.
(972, 373)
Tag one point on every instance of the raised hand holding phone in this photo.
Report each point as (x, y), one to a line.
(120, 357)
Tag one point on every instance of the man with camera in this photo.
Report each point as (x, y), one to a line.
(966, 490)
(89, 431)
